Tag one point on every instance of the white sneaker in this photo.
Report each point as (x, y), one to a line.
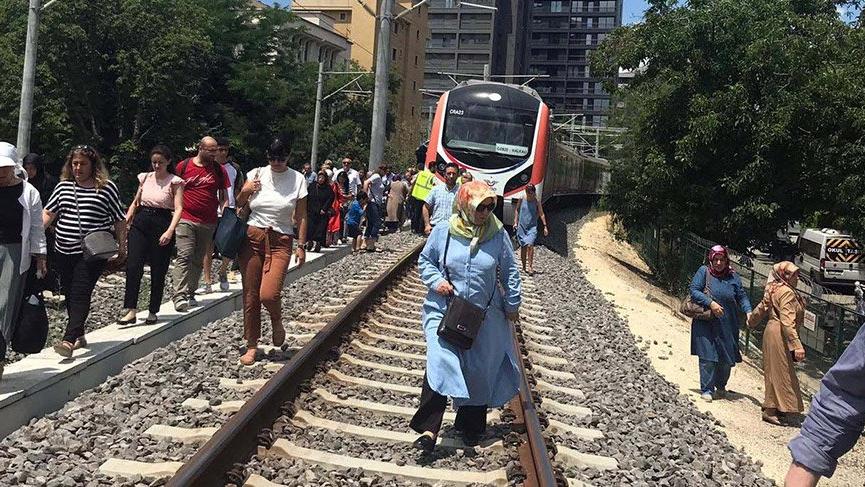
(181, 305)
(206, 289)
(706, 397)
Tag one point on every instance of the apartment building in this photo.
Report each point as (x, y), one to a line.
(561, 36)
(464, 38)
(356, 20)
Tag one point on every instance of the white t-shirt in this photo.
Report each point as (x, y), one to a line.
(232, 177)
(273, 206)
(376, 188)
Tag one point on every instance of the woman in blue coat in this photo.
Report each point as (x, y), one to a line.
(716, 341)
(486, 375)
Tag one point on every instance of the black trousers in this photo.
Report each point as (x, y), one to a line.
(143, 245)
(470, 419)
(78, 278)
(416, 212)
(2, 348)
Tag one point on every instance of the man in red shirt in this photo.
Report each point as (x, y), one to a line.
(204, 192)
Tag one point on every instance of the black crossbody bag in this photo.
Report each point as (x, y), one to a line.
(462, 320)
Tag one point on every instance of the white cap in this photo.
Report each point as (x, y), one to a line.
(8, 155)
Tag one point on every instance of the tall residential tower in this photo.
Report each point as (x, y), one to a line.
(561, 35)
(464, 38)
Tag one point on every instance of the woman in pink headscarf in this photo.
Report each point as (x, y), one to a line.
(781, 345)
(716, 341)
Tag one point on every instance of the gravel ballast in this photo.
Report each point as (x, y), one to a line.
(66, 447)
(655, 433)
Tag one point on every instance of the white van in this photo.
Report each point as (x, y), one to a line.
(828, 256)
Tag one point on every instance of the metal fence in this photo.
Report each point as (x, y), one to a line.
(673, 259)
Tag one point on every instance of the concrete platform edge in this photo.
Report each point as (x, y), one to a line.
(56, 390)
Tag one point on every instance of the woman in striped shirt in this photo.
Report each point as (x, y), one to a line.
(84, 202)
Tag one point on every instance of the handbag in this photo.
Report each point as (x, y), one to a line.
(231, 230)
(31, 323)
(462, 320)
(694, 310)
(98, 245)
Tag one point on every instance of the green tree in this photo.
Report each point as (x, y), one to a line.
(744, 115)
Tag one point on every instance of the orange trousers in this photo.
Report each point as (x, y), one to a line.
(263, 259)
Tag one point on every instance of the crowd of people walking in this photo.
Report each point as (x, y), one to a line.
(73, 229)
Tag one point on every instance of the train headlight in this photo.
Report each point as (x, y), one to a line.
(495, 97)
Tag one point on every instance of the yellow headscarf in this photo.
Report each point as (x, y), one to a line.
(462, 222)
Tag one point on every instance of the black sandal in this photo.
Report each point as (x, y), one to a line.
(425, 443)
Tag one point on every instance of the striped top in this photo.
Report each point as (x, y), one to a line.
(97, 209)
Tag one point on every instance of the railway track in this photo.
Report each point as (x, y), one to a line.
(340, 397)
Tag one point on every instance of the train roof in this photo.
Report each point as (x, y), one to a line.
(524, 89)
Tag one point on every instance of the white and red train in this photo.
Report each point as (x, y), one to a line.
(502, 134)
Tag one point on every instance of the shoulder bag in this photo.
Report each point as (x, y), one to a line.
(98, 245)
(462, 319)
(31, 324)
(231, 229)
(692, 309)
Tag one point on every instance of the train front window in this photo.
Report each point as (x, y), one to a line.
(494, 130)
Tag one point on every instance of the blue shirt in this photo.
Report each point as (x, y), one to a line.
(837, 415)
(441, 202)
(487, 373)
(717, 340)
(355, 213)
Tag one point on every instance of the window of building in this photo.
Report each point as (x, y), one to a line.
(415, 60)
(538, 4)
(607, 6)
(412, 111)
(393, 55)
(555, 6)
(414, 85)
(417, 34)
(343, 16)
(588, 39)
(606, 22)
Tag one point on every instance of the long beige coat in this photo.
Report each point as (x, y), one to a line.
(780, 338)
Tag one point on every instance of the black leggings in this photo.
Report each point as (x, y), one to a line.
(78, 278)
(143, 245)
(470, 419)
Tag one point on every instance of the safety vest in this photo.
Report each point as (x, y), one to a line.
(423, 185)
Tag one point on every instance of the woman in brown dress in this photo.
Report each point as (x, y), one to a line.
(781, 346)
(395, 199)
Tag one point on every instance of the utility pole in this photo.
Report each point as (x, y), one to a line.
(25, 112)
(380, 95)
(315, 128)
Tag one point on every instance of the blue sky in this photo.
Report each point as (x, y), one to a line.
(632, 11)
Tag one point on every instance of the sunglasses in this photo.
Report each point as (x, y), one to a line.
(488, 207)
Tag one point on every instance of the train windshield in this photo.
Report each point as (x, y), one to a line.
(488, 132)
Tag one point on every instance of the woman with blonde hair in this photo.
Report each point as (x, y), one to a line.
(781, 345)
(85, 201)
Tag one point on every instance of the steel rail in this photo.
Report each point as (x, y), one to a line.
(534, 455)
(220, 460)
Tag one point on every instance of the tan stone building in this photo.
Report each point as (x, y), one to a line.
(356, 20)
